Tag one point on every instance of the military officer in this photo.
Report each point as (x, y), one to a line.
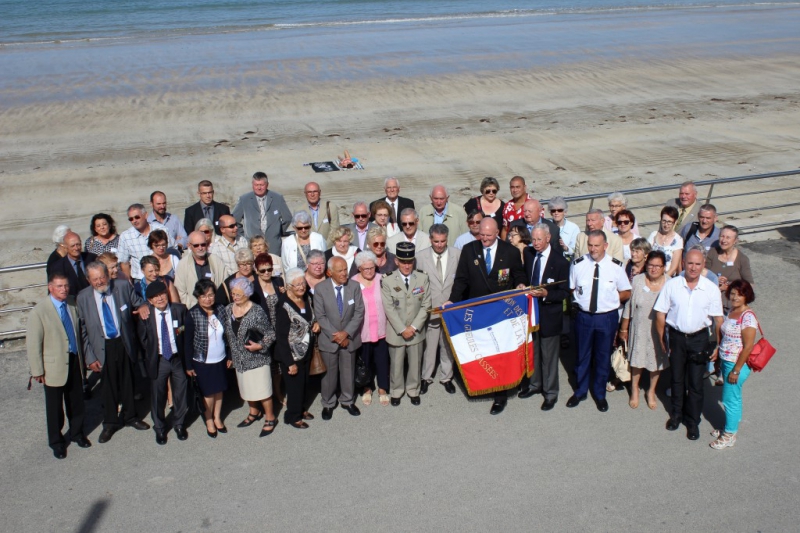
(599, 285)
(406, 299)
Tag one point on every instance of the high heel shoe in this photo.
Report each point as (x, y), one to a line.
(251, 418)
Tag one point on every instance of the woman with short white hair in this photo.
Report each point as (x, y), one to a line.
(295, 248)
(568, 231)
(616, 203)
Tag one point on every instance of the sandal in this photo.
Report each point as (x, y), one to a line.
(610, 387)
(652, 405)
(726, 440)
(384, 398)
(367, 398)
(268, 424)
(250, 419)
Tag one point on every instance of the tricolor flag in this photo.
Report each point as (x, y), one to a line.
(491, 338)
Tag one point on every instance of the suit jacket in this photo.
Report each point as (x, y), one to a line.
(614, 245)
(423, 241)
(689, 217)
(125, 302)
(327, 219)
(471, 279)
(326, 312)
(64, 266)
(402, 203)
(47, 343)
(551, 307)
(405, 307)
(555, 232)
(289, 249)
(186, 277)
(248, 215)
(194, 213)
(148, 335)
(354, 236)
(455, 220)
(440, 288)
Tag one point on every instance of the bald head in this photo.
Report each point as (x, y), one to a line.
(532, 211)
(72, 242)
(198, 245)
(488, 232)
(439, 197)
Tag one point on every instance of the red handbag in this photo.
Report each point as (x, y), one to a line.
(762, 350)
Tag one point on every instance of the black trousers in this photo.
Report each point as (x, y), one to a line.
(295, 391)
(173, 372)
(117, 382)
(69, 397)
(687, 406)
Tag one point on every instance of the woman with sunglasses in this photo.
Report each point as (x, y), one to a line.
(376, 243)
(487, 203)
(668, 241)
(568, 231)
(295, 248)
(626, 222)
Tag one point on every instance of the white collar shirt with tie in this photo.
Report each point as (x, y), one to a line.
(98, 300)
(545, 255)
(493, 248)
(443, 259)
(170, 327)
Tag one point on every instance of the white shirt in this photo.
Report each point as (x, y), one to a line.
(463, 240)
(98, 300)
(170, 327)
(133, 246)
(612, 280)
(569, 234)
(689, 310)
(216, 344)
(393, 205)
(542, 262)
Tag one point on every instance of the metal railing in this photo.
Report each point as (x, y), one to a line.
(743, 230)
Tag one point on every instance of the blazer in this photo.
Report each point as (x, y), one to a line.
(186, 276)
(148, 335)
(248, 215)
(555, 231)
(64, 266)
(289, 249)
(440, 288)
(47, 344)
(614, 245)
(326, 312)
(455, 220)
(402, 203)
(551, 307)
(690, 217)
(423, 241)
(327, 220)
(471, 279)
(194, 213)
(405, 307)
(92, 337)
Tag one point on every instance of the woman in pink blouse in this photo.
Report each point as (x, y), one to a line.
(374, 350)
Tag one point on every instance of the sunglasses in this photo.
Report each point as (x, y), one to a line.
(206, 231)
(408, 224)
(228, 227)
(131, 219)
(360, 216)
(490, 191)
(201, 245)
(556, 210)
(378, 244)
(265, 270)
(623, 222)
(302, 228)
(473, 222)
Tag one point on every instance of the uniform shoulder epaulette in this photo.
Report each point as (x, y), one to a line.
(420, 271)
(578, 260)
(616, 261)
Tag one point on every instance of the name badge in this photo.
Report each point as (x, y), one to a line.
(646, 288)
(325, 221)
(729, 263)
(550, 280)
(216, 223)
(275, 212)
(208, 274)
(351, 302)
(174, 323)
(124, 307)
(113, 250)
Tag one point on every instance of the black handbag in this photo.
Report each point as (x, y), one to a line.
(703, 356)
(199, 403)
(363, 373)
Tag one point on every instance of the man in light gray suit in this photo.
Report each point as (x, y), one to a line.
(263, 212)
(439, 262)
(110, 344)
(339, 308)
(361, 225)
(324, 214)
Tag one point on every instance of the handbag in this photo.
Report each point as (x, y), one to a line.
(317, 365)
(620, 364)
(762, 350)
(363, 375)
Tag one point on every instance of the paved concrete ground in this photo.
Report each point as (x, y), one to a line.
(444, 466)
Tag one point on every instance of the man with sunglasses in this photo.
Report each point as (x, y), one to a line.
(409, 224)
(473, 223)
(228, 243)
(361, 226)
(133, 241)
(197, 265)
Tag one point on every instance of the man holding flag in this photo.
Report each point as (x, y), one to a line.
(487, 266)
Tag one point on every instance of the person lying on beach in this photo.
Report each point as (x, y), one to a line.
(346, 161)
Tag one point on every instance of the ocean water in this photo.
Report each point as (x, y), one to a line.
(60, 21)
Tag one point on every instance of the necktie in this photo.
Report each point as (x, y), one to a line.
(166, 345)
(207, 212)
(262, 207)
(680, 219)
(339, 301)
(488, 260)
(393, 213)
(595, 289)
(439, 267)
(82, 281)
(67, 321)
(406, 283)
(537, 265)
(108, 319)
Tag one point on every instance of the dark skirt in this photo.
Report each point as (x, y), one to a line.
(211, 378)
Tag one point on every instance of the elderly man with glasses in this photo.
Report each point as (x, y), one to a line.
(228, 243)
(360, 226)
(199, 264)
(409, 224)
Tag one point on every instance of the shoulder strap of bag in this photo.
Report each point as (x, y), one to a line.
(328, 211)
(758, 322)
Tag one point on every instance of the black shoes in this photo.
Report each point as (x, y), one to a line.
(527, 393)
(180, 431)
(395, 402)
(673, 424)
(59, 452)
(327, 413)
(602, 405)
(575, 400)
(82, 442)
(269, 428)
(415, 400)
(449, 387)
(352, 409)
(549, 404)
(213, 435)
(692, 433)
(138, 424)
(423, 388)
(497, 408)
(106, 435)
(250, 420)
(161, 438)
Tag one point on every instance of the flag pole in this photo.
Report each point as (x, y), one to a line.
(499, 296)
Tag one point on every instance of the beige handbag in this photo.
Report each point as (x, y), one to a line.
(620, 364)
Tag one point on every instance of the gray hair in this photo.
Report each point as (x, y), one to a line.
(595, 211)
(300, 217)
(365, 257)
(375, 231)
(391, 178)
(557, 202)
(203, 222)
(439, 229)
(446, 192)
(618, 196)
(244, 285)
(542, 226)
(689, 184)
(294, 273)
(313, 254)
(244, 255)
(97, 265)
(709, 208)
(138, 207)
(641, 244)
(409, 211)
(698, 248)
(358, 203)
(59, 233)
(329, 264)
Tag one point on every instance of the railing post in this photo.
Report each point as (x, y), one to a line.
(710, 190)
(591, 204)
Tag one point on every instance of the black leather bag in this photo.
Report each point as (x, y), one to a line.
(703, 356)
(363, 373)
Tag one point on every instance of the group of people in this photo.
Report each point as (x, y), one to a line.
(262, 292)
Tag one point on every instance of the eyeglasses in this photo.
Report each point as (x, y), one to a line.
(265, 270)
(655, 266)
(316, 264)
(201, 245)
(228, 227)
(368, 268)
(206, 231)
(302, 228)
(312, 192)
(667, 221)
(623, 222)
(473, 222)
(379, 244)
(360, 216)
(246, 264)
(408, 224)
(131, 219)
(490, 191)
(556, 210)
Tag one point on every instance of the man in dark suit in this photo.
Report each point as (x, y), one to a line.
(110, 346)
(162, 338)
(396, 202)
(263, 212)
(73, 265)
(532, 215)
(205, 208)
(54, 355)
(488, 266)
(543, 265)
(339, 309)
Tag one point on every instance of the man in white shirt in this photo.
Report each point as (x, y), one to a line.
(226, 245)
(473, 223)
(133, 241)
(688, 305)
(409, 223)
